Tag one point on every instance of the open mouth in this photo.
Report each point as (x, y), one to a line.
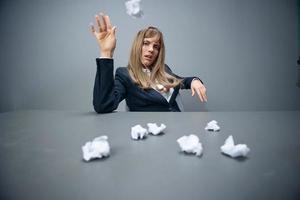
(147, 57)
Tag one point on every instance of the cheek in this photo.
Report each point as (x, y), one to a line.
(143, 51)
(156, 54)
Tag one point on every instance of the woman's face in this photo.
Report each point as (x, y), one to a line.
(150, 51)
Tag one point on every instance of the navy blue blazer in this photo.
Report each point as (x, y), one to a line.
(110, 91)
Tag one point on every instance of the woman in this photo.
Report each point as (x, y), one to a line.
(147, 84)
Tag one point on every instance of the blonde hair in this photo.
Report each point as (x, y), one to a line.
(158, 73)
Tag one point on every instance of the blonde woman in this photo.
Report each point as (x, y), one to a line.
(147, 83)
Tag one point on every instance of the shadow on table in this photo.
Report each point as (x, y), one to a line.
(239, 159)
(189, 154)
(92, 113)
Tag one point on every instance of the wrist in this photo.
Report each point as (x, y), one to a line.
(197, 79)
(106, 54)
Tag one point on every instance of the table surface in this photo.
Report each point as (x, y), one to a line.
(41, 156)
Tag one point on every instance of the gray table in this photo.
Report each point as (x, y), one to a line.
(41, 157)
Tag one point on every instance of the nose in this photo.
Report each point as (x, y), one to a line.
(150, 48)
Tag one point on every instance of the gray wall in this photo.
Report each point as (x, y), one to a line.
(245, 51)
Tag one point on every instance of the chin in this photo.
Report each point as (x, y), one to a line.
(147, 64)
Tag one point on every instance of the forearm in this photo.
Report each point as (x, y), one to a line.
(186, 81)
(103, 87)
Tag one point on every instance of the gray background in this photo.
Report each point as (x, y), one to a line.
(245, 51)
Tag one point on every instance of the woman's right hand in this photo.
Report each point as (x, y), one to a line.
(105, 35)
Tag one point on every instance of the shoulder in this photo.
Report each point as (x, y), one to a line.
(168, 69)
(123, 74)
(122, 71)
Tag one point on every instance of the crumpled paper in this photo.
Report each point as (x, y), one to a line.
(133, 8)
(212, 126)
(98, 148)
(138, 132)
(234, 150)
(154, 129)
(190, 144)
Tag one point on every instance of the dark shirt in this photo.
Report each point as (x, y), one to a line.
(109, 91)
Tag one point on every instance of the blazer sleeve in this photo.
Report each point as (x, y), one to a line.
(186, 81)
(108, 91)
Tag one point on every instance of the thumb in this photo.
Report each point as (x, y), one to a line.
(193, 91)
(92, 29)
(114, 30)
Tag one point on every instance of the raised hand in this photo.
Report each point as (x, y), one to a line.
(105, 35)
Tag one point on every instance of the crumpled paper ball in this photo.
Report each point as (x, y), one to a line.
(138, 132)
(133, 8)
(229, 148)
(154, 129)
(212, 126)
(98, 148)
(190, 144)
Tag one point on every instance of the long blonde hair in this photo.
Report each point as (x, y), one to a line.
(158, 73)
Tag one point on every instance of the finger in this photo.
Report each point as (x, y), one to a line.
(200, 96)
(114, 30)
(102, 22)
(92, 28)
(98, 21)
(107, 22)
(204, 96)
(203, 93)
(193, 91)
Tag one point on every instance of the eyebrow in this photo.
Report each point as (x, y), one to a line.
(147, 40)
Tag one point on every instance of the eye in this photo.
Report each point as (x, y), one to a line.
(145, 43)
(156, 47)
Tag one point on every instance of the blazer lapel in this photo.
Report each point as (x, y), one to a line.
(157, 96)
(174, 95)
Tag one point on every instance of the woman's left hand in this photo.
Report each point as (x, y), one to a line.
(199, 88)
